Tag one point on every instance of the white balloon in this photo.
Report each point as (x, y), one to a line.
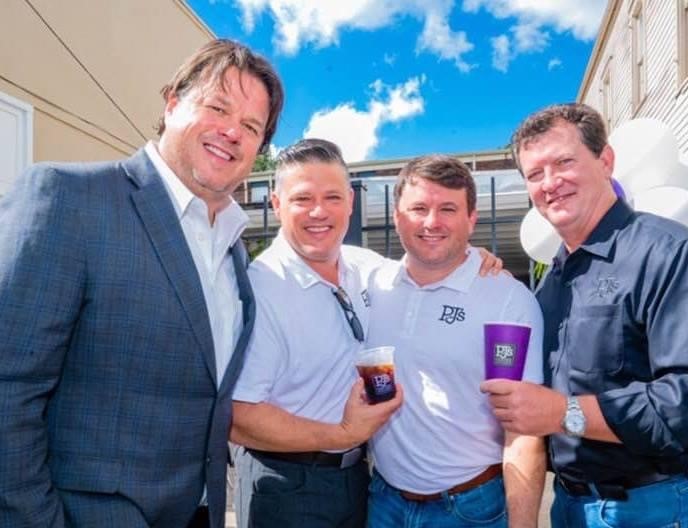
(538, 238)
(647, 156)
(669, 202)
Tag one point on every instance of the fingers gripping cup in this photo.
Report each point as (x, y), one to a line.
(376, 367)
(506, 347)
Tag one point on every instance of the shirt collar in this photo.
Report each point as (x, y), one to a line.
(459, 280)
(602, 239)
(229, 222)
(179, 193)
(294, 264)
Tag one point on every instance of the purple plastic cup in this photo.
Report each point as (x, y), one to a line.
(506, 346)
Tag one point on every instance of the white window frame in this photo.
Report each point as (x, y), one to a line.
(682, 31)
(607, 102)
(638, 54)
(24, 115)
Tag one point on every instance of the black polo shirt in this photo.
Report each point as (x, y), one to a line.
(616, 325)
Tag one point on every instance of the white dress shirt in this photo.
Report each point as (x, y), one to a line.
(209, 245)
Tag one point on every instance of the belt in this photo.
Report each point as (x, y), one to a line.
(316, 458)
(490, 473)
(615, 490)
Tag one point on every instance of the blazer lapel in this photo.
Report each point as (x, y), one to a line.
(160, 221)
(240, 261)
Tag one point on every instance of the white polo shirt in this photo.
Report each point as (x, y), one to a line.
(301, 355)
(445, 432)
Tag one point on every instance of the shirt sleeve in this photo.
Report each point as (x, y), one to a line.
(42, 277)
(267, 351)
(649, 415)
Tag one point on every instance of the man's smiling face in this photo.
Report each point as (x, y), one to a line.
(213, 133)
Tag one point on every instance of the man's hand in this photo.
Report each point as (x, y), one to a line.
(361, 419)
(490, 263)
(525, 408)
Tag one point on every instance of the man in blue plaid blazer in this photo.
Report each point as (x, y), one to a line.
(121, 333)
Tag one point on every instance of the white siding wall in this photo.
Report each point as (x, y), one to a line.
(666, 99)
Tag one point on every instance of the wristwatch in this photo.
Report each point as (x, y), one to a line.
(574, 419)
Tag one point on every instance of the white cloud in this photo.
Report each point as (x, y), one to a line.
(357, 131)
(319, 23)
(438, 37)
(301, 22)
(554, 63)
(529, 37)
(389, 58)
(581, 17)
(501, 53)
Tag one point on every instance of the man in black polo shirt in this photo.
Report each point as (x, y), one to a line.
(616, 341)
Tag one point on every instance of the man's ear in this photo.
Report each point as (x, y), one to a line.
(607, 157)
(275, 200)
(472, 219)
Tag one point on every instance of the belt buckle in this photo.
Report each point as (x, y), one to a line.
(350, 458)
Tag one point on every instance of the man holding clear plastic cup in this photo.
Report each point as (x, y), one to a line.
(443, 460)
(299, 414)
(299, 410)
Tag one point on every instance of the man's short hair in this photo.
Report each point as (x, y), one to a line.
(587, 120)
(209, 65)
(310, 150)
(446, 171)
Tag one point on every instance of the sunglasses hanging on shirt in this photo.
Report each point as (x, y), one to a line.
(351, 316)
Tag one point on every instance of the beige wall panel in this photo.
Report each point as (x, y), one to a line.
(56, 140)
(33, 59)
(130, 46)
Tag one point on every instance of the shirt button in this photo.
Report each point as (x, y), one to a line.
(568, 283)
(561, 325)
(207, 460)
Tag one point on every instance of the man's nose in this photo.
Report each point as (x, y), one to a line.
(550, 180)
(431, 219)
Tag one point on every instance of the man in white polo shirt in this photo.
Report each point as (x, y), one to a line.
(298, 406)
(443, 460)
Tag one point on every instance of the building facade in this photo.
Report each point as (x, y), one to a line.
(639, 65)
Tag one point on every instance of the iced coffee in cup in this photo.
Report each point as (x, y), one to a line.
(506, 347)
(376, 367)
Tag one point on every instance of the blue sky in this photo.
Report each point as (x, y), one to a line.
(397, 78)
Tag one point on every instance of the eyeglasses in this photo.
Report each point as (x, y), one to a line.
(351, 316)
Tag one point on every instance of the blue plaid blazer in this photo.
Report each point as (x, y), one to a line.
(109, 409)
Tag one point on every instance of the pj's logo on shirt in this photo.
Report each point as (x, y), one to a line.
(605, 286)
(451, 314)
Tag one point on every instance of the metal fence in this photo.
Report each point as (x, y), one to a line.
(501, 209)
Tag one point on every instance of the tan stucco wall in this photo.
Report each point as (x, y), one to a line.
(77, 61)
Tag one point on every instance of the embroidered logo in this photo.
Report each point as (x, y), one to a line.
(504, 354)
(366, 298)
(451, 314)
(606, 286)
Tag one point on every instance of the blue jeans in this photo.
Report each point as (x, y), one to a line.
(481, 507)
(660, 505)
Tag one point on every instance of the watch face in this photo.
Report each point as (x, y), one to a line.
(575, 424)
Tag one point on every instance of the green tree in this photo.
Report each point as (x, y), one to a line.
(264, 162)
